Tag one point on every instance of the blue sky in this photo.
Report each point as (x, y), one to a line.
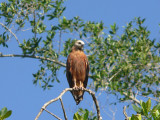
(25, 99)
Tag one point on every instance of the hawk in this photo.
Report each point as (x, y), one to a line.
(77, 70)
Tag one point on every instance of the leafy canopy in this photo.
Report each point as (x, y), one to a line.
(125, 63)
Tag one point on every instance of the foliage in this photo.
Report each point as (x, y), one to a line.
(33, 13)
(125, 64)
(84, 115)
(145, 111)
(128, 63)
(4, 113)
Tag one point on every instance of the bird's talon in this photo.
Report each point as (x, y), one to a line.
(81, 88)
(75, 88)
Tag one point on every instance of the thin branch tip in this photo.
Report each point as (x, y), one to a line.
(125, 114)
(10, 32)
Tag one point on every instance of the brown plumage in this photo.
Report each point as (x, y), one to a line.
(77, 70)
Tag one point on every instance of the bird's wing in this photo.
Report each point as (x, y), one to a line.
(87, 73)
(68, 71)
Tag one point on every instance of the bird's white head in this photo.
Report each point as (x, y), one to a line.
(79, 44)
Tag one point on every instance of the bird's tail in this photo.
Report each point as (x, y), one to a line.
(78, 96)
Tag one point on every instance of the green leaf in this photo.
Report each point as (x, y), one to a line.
(157, 107)
(136, 108)
(139, 117)
(7, 114)
(144, 107)
(86, 115)
(77, 116)
(157, 113)
(50, 85)
(136, 117)
(148, 105)
(3, 111)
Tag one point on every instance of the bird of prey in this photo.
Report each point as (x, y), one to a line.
(77, 70)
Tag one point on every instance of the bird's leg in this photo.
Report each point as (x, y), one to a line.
(75, 86)
(81, 85)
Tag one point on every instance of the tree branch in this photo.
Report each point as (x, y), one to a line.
(109, 80)
(36, 57)
(124, 93)
(64, 65)
(53, 114)
(150, 98)
(65, 116)
(132, 98)
(10, 32)
(60, 96)
(124, 112)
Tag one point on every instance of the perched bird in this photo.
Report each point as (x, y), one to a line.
(77, 70)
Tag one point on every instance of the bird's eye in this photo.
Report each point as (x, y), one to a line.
(79, 42)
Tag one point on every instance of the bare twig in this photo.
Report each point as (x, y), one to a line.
(10, 32)
(132, 98)
(60, 96)
(36, 57)
(96, 103)
(150, 98)
(124, 112)
(53, 114)
(65, 116)
(114, 75)
(112, 78)
(26, 29)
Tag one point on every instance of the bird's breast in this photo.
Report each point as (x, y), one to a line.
(79, 67)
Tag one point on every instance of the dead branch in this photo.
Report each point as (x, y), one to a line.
(124, 112)
(63, 109)
(60, 98)
(53, 114)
